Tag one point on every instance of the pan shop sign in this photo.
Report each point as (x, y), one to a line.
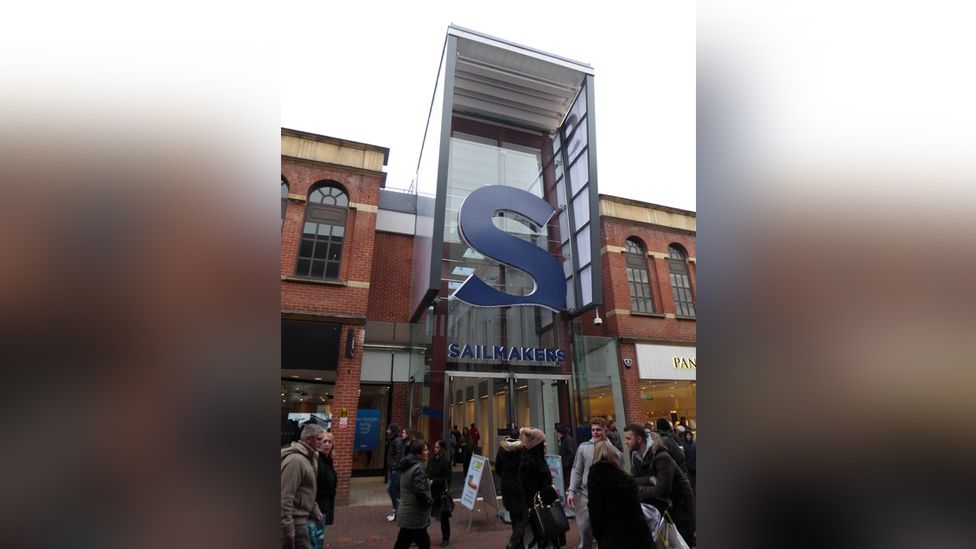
(506, 353)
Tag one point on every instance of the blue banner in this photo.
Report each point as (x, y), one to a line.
(367, 429)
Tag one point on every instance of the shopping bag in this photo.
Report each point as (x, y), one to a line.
(668, 536)
(316, 531)
(547, 521)
(653, 518)
(447, 503)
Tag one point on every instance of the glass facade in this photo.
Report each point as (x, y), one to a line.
(498, 366)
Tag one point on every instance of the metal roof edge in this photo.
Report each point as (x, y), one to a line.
(462, 32)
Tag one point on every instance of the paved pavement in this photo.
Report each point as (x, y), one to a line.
(367, 526)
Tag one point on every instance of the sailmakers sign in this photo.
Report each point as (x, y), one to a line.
(506, 354)
(479, 232)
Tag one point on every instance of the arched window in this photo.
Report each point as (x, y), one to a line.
(284, 197)
(637, 277)
(680, 283)
(323, 232)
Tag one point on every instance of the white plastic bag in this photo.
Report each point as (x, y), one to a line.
(653, 518)
(668, 536)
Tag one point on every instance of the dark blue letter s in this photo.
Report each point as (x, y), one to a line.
(480, 233)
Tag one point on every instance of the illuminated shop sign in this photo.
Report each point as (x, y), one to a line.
(684, 363)
(479, 232)
(506, 353)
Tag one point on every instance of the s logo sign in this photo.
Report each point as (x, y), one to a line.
(480, 233)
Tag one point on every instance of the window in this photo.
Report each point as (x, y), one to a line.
(637, 277)
(284, 197)
(323, 232)
(680, 283)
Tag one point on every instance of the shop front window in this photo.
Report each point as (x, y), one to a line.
(369, 443)
(670, 399)
(597, 382)
(303, 402)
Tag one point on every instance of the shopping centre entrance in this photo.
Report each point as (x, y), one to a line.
(497, 401)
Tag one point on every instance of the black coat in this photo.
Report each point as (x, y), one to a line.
(507, 462)
(567, 451)
(677, 453)
(439, 472)
(672, 486)
(690, 454)
(535, 477)
(325, 491)
(615, 511)
(394, 451)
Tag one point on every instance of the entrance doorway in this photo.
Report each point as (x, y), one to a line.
(497, 402)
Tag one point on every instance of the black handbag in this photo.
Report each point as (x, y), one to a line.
(447, 503)
(547, 521)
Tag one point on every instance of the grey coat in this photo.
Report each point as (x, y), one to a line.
(581, 467)
(415, 499)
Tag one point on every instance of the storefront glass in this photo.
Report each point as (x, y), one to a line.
(370, 438)
(302, 402)
(597, 379)
(670, 399)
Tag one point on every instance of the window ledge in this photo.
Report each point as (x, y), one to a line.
(649, 315)
(691, 318)
(307, 280)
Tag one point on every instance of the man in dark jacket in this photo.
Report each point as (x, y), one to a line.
(567, 452)
(666, 484)
(507, 461)
(613, 435)
(663, 426)
(394, 453)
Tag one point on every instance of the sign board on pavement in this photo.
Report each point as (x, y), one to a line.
(556, 468)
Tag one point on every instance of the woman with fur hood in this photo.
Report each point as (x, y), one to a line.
(507, 461)
(615, 510)
(535, 477)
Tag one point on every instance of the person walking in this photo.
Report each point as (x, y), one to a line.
(455, 446)
(298, 487)
(567, 453)
(670, 442)
(507, 462)
(662, 483)
(466, 449)
(613, 436)
(413, 513)
(535, 478)
(577, 493)
(326, 482)
(613, 503)
(394, 454)
(475, 440)
(439, 473)
(690, 451)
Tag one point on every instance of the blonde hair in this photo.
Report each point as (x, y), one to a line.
(604, 451)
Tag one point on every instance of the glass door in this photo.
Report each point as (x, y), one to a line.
(542, 402)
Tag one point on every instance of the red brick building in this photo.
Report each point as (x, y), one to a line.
(347, 341)
(649, 287)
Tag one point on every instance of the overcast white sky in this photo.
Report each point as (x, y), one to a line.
(365, 71)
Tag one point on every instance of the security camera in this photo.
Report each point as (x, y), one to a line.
(598, 321)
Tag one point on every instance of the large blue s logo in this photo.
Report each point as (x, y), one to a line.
(480, 233)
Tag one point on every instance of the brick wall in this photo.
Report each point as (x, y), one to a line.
(357, 254)
(401, 396)
(346, 396)
(616, 293)
(630, 384)
(628, 327)
(391, 278)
